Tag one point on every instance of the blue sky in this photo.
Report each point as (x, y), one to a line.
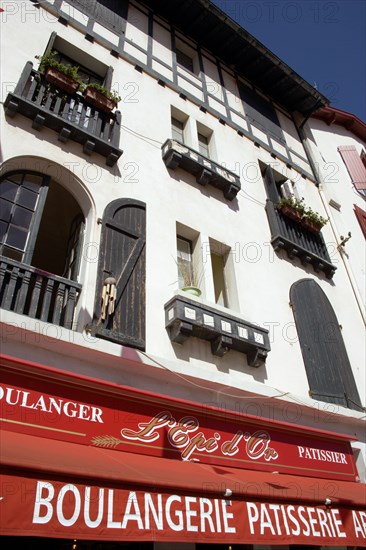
(324, 41)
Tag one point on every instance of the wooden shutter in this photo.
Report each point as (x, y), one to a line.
(325, 357)
(361, 216)
(260, 112)
(354, 165)
(271, 187)
(122, 256)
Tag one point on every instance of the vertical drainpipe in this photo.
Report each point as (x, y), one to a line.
(319, 183)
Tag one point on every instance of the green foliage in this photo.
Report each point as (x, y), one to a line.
(306, 211)
(110, 94)
(315, 217)
(293, 202)
(49, 60)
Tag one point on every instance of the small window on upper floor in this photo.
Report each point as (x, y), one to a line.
(177, 130)
(204, 136)
(184, 60)
(178, 124)
(184, 263)
(219, 254)
(203, 145)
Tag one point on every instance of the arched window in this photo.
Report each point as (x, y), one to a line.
(325, 356)
(41, 229)
(41, 224)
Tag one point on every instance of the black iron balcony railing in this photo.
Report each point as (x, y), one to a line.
(38, 294)
(298, 242)
(67, 114)
(206, 171)
(186, 317)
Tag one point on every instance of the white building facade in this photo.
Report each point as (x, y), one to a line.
(117, 381)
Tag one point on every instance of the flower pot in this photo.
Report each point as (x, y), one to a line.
(311, 226)
(98, 100)
(61, 80)
(192, 290)
(291, 213)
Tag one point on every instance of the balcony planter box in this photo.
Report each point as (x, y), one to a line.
(61, 80)
(99, 101)
(291, 213)
(310, 225)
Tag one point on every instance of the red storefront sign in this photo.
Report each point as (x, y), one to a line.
(127, 420)
(43, 506)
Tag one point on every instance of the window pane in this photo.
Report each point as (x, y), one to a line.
(32, 182)
(5, 210)
(8, 190)
(27, 198)
(184, 60)
(203, 145)
(177, 130)
(12, 253)
(17, 237)
(184, 261)
(15, 178)
(22, 217)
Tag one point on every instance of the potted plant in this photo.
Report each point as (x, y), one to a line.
(101, 98)
(62, 76)
(189, 277)
(292, 208)
(312, 221)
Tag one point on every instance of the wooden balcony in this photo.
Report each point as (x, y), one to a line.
(67, 114)
(30, 291)
(206, 171)
(298, 242)
(185, 317)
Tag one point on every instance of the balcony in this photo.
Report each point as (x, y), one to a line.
(298, 242)
(177, 155)
(185, 317)
(67, 114)
(37, 294)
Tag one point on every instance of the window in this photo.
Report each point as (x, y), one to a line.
(41, 223)
(184, 60)
(177, 130)
(203, 145)
(184, 262)
(204, 264)
(91, 70)
(86, 75)
(205, 141)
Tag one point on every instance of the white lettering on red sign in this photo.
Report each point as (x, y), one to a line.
(51, 405)
(143, 511)
(182, 435)
(320, 454)
(279, 520)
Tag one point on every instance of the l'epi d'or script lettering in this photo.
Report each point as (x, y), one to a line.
(183, 434)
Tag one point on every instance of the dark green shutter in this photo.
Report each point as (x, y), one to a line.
(326, 361)
(122, 256)
(271, 187)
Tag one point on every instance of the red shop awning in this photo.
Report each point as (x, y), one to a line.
(59, 489)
